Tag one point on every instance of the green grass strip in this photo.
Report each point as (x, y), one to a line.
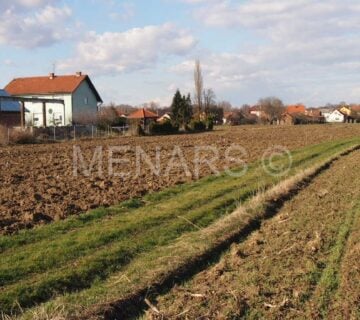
(330, 278)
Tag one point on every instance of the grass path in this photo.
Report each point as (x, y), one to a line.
(80, 253)
(329, 281)
(346, 298)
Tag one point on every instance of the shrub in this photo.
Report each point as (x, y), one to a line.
(15, 136)
(209, 124)
(196, 125)
(163, 128)
(108, 116)
(21, 137)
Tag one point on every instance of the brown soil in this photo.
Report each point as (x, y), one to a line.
(274, 274)
(38, 185)
(346, 304)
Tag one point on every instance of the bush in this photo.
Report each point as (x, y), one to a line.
(16, 136)
(196, 125)
(209, 124)
(163, 128)
(21, 137)
(108, 116)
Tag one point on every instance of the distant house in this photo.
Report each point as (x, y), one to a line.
(335, 116)
(142, 117)
(314, 112)
(9, 111)
(256, 110)
(165, 117)
(78, 92)
(355, 108)
(299, 114)
(326, 112)
(227, 117)
(301, 118)
(345, 110)
(296, 109)
(355, 113)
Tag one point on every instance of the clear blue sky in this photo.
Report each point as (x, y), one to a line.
(140, 51)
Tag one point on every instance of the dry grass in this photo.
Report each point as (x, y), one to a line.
(3, 135)
(42, 313)
(21, 137)
(15, 136)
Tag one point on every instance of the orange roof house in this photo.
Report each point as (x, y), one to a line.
(143, 114)
(299, 108)
(143, 118)
(77, 91)
(355, 108)
(257, 111)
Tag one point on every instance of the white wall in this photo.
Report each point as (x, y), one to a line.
(54, 111)
(334, 117)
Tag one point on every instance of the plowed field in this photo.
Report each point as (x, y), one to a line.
(37, 184)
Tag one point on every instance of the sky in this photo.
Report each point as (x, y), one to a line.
(137, 51)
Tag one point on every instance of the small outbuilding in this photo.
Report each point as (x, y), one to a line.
(165, 117)
(9, 111)
(142, 118)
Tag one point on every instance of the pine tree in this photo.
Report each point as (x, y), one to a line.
(176, 108)
(187, 110)
(181, 109)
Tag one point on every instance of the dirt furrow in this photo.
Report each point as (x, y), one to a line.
(273, 274)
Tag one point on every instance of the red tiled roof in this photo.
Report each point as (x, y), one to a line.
(355, 108)
(296, 109)
(48, 85)
(143, 114)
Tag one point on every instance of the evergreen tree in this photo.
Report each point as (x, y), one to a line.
(181, 109)
(187, 110)
(176, 108)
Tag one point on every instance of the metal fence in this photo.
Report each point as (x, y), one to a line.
(64, 133)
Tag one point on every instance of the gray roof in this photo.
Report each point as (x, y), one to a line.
(8, 105)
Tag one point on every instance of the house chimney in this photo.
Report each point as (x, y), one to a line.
(79, 74)
(52, 75)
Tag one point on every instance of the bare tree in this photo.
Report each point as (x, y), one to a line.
(152, 106)
(225, 105)
(199, 86)
(273, 107)
(245, 108)
(209, 100)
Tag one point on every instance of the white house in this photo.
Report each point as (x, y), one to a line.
(335, 116)
(165, 117)
(81, 99)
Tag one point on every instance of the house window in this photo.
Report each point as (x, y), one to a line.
(86, 100)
